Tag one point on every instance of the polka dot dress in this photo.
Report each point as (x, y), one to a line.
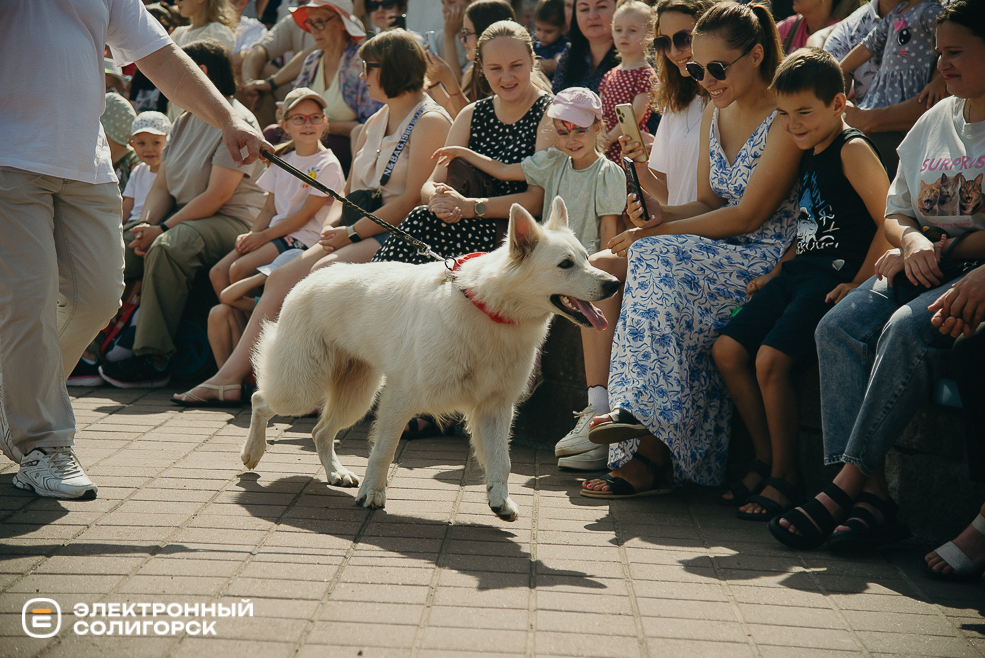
(509, 143)
(619, 87)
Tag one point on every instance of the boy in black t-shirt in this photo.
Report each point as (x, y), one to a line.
(839, 238)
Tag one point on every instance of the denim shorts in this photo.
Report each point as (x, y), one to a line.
(287, 242)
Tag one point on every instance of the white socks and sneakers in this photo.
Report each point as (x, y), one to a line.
(56, 473)
(575, 450)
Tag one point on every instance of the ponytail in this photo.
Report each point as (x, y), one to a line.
(742, 27)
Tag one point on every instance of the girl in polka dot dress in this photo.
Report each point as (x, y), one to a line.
(904, 42)
(630, 82)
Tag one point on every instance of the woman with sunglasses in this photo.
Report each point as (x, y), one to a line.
(383, 13)
(689, 265)
(671, 177)
(395, 66)
(444, 84)
(333, 71)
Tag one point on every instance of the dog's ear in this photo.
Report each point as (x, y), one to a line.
(559, 215)
(523, 233)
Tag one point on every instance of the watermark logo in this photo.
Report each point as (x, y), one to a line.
(41, 618)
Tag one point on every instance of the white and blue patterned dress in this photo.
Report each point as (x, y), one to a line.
(680, 292)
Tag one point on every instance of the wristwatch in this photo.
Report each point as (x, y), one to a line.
(353, 236)
(480, 208)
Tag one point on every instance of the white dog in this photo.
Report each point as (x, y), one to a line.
(409, 333)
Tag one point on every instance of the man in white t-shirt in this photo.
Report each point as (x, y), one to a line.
(61, 245)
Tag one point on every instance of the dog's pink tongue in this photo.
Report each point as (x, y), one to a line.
(593, 314)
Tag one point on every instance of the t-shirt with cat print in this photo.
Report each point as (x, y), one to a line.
(942, 165)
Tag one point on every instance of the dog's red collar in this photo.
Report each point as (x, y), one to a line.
(495, 317)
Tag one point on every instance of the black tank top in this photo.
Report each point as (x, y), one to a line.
(833, 221)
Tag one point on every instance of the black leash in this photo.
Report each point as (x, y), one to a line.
(422, 248)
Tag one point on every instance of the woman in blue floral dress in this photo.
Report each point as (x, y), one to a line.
(689, 266)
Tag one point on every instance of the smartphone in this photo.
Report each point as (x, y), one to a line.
(634, 183)
(432, 42)
(631, 127)
(399, 21)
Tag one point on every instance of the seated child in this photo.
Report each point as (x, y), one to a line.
(116, 120)
(228, 318)
(549, 39)
(839, 239)
(148, 135)
(293, 215)
(593, 187)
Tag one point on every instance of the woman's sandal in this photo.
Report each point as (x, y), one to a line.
(189, 399)
(866, 532)
(740, 492)
(965, 571)
(620, 488)
(793, 492)
(621, 426)
(810, 536)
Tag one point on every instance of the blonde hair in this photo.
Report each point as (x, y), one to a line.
(219, 11)
(511, 30)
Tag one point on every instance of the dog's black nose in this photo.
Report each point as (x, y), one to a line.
(610, 288)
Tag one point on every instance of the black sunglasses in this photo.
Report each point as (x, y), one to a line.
(717, 69)
(681, 40)
(373, 5)
(369, 65)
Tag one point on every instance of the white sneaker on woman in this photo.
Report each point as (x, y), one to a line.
(595, 459)
(576, 441)
(54, 472)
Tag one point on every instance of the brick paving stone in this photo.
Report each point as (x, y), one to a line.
(435, 573)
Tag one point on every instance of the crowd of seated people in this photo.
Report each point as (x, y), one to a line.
(780, 231)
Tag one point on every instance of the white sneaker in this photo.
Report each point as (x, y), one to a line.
(54, 472)
(576, 441)
(593, 460)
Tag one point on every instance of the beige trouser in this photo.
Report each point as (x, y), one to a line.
(61, 278)
(173, 261)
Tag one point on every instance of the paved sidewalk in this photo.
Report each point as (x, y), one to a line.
(435, 574)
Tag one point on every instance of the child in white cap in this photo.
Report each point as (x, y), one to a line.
(593, 187)
(148, 135)
(116, 120)
(295, 212)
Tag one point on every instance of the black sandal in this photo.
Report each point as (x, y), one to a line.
(811, 535)
(620, 488)
(741, 492)
(620, 427)
(866, 532)
(793, 492)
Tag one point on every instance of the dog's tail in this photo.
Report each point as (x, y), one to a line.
(292, 366)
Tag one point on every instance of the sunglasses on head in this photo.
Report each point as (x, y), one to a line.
(373, 5)
(681, 41)
(718, 70)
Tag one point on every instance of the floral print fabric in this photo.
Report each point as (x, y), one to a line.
(680, 292)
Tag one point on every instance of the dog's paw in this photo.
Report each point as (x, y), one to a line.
(371, 499)
(508, 511)
(343, 478)
(500, 502)
(250, 457)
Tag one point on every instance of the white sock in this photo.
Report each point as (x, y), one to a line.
(599, 396)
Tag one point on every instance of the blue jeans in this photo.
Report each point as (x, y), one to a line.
(875, 359)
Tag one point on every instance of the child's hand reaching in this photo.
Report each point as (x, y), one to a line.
(839, 292)
(446, 154)
(935, 90)
(251, 241)
(634, 209)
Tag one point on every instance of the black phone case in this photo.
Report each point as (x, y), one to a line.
(634, 182)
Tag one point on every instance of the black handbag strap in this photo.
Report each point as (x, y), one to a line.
(385, 178)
